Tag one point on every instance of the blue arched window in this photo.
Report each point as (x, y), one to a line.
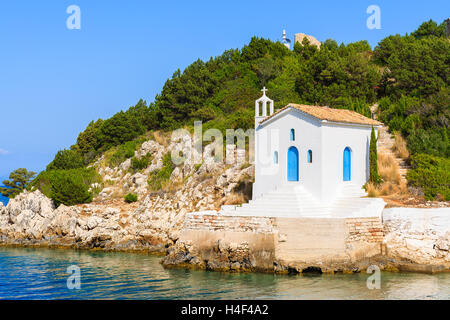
(309, 156)
(292, 135)
(275, 157)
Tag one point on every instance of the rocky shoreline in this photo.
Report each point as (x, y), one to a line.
(108, 223)
(31, 220)
(416, 241)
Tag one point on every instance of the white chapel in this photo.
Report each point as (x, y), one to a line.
(310, 161)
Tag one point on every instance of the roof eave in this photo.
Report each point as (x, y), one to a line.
(289, 106)
(352, 123)
(282, 111)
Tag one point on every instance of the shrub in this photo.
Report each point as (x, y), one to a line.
(431, 141)
(410, 124)
(131, 197)
(139, 164)
(371, 189)
(158, 178)
(66, 159)
(388, 169)
(123, 152)
(68, 187)
(396, 124)
(431, 174)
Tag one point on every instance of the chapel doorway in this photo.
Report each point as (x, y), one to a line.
(292, 164)
(347, 174)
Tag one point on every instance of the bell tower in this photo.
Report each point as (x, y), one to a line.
(263, 107)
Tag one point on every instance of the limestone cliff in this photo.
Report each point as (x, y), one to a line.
(108, 222)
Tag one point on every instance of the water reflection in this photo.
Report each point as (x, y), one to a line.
(41, 274)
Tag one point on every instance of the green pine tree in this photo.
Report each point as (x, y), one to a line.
(18, 181)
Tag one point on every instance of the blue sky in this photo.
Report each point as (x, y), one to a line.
(54, 81)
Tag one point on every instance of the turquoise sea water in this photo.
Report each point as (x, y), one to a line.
(42, 274)
(4, 200)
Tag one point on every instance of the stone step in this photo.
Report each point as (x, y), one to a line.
(385, 144)
(296, 202)
(297, 209)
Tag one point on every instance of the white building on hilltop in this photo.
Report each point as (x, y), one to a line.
(310, 161)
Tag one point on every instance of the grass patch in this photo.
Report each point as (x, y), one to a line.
(197, 166)
(159, 179)
(123, 152)
(400, 149)
(388, 169)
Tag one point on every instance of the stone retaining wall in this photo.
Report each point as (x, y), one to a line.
(364, 229)
(364, 238)
(214, 222)
(233, 243)
(404, 239)
(224, 243)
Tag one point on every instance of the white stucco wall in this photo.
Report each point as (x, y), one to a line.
(327, 141)
(268, 175)
(335, 138)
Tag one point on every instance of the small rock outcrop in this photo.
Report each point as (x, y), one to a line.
(224, 256)
(313, 41)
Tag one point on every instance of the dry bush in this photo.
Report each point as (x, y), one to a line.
(117, 193)
(234, 199)
(173, 186)
(392, 184)
(160, 138)
(387, 189)
(372, 190)
(399, 146)
(392, 189)
(388, 168)
(205, 176)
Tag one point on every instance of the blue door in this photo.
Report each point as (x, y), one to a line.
(347, 164)
(292, 163)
